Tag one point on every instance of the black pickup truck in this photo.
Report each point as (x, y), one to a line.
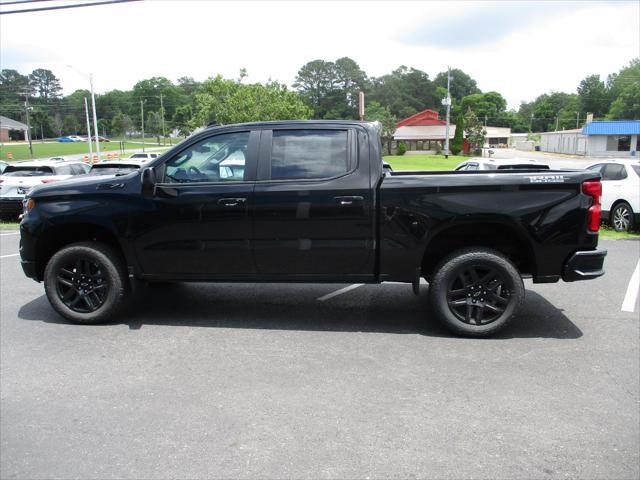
(297, 201)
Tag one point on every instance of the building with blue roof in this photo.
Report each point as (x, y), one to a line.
(618, 138)
(606, 138)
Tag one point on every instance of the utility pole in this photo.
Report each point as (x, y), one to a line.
(26, 108)
(577, 119)
(162, 110)
(86, 113)
(447, 103)
(531, 124)
(557, 118)
(95, 118)
(485, 120)
(142, 119)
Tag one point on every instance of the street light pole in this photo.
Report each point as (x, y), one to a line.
(86, 113)
(142, 119)
(26, 107)
(448, 105)
(95, 117)
(162, 109)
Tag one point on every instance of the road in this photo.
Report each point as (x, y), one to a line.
(279, 381)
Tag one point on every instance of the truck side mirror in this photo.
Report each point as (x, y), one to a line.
(148, 180)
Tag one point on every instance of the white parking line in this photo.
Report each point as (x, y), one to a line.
(339, 292)
(629, 302)
(7, 256)
(8, 234)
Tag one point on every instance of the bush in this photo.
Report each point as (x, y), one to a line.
(457, 143)
(402, 148)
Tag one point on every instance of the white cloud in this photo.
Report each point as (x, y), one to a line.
(273, 39)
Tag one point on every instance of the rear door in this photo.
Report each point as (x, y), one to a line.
(313, 213)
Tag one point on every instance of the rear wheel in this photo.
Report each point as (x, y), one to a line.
(622, 217)
(86, 282)
(475, 292)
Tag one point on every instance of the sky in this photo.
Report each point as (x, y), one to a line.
(520, 49)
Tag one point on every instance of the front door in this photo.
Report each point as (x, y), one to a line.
(197, 224)
(313, 205)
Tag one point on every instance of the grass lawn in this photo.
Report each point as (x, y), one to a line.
(423, 162)
(9, 225)
(609, 233)
(21, 152)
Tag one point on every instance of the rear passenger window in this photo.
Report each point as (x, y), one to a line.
(63, 170)
(614, 171)
(308, 154)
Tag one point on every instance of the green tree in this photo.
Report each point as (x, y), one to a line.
(593, 96)
(153, 124)
(227, 101)
(458, 138)
(627, 105)
(475, 131)
(182, 119)
(150, 90)
(121, 124)
(13, 86)
(487, 106)
(375, 112)
(405, 91)
(70, 125)
(461, 84)
(45, 84)
(617, 82)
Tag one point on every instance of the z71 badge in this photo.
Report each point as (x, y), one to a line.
(547, 179)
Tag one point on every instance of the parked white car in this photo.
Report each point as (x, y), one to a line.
(479, 163)
(19, 178)
(116, 167)
(620, 192)
(143, 156)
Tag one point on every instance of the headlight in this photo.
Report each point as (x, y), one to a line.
(27, 205)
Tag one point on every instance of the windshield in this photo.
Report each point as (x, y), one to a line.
(15, 171)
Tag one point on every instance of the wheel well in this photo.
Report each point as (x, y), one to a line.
(55, 238)
(498, 237)
(618, 202)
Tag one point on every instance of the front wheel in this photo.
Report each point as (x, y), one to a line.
(86, 282)
(475, 292)
(622, 217)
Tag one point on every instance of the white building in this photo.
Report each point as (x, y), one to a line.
(615, 138)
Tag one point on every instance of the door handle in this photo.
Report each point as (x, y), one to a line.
(348, 201)
(231, 202)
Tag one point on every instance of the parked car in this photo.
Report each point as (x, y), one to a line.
(72, 138)
(143, 156)
(19, 178)
(115, 167)
(314, 204)
(103, 139)
(620, 192)
(478, 163)
(3, 165)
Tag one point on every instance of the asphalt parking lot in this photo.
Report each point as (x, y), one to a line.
(280, 381)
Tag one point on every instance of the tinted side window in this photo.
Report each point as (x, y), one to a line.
(63, 170)
(308, 154)
(219, 158)
(614, 171)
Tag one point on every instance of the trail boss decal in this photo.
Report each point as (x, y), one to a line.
(547, 179)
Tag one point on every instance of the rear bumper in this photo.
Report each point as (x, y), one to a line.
(584, 265)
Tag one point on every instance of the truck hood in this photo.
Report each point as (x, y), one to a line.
(82, 185)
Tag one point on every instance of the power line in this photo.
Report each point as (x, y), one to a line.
(61, 7)
(24, 1)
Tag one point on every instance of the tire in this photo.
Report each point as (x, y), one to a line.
(621, 217)
(86, 282)
(475, 292)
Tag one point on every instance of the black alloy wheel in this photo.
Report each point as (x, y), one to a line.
(86, 282)
(81, 285)
(478, 295)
